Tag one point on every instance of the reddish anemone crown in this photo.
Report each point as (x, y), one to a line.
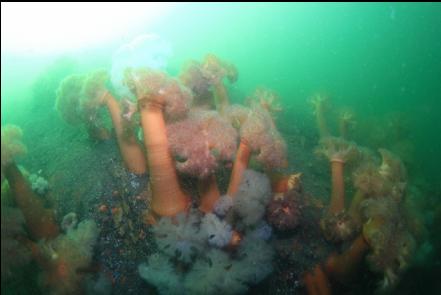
(11, 144)
(201, 155)
(369, 181)
(264, 139)
(168, 92)
(391, 167)
(284, 212)
(193, 78)
(214, 69)
(268, 100)
(337, 149)
(68, 99)
(392, 245)
(93, 90)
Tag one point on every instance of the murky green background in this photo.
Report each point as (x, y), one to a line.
(381, 60)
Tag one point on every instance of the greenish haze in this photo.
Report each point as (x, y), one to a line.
(374, 58)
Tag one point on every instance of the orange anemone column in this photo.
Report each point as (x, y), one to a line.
(316, 282)
(209, 193)
(98, 133)
(168, 198)
(338, 187)
(131, 152)
(343, 267)
(221, 97)
(354, 209)
(240, 165)
(39, 220)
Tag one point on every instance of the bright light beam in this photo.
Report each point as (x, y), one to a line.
(61, 27)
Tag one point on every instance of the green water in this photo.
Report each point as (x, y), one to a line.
(374, 58)
(382, 61)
